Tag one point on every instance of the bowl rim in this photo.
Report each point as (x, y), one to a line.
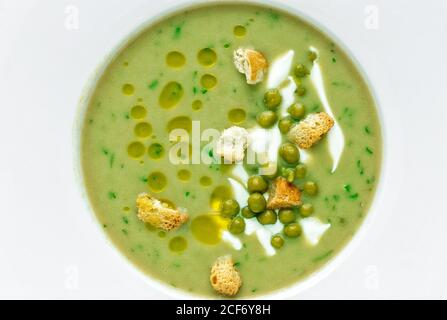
(172, 9)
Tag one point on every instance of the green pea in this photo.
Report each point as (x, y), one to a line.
(237, 225)
(277, 241)
(286, 216)
(300, 171)
(301, 70)
(312, 56)
(266, 119)
(285, 124)
(311, 188)
(257, 184)
(301, 91)
(247, 213)
(290, 153)
(256, 202)
(230, 208)
(267, 217)
(292, 230)
(272, 99)
(289, 174)
(306, 209)
(296, 111)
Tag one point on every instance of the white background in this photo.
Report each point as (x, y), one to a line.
(50, 245)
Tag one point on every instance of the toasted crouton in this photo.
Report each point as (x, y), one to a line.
(251, 63)
(283, 194)
(310, 130)
(232, 144)
(158, 214)
(225, 278)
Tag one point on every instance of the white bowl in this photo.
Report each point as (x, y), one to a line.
(283, 293)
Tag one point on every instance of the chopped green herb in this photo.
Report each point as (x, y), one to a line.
(214, 166)
(111, 160)
(369, 150)
(323, 256)
(348, 189)
(273, 15)
(360, 167)
(112, 195)
(348, 112)
(315, 107)
(124, 231)
(178, 30)
(125, 220)
(227, 45)
(153, 84)
(341, 84)
(367, 130)
(204, 91)
(155, 253)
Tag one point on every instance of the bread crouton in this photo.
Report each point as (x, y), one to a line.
(225, 278)
(252, 63)
(310, 130)
(232, 144)
(283, 194)
(158, 214)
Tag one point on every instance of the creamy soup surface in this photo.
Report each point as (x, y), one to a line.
(181, 70)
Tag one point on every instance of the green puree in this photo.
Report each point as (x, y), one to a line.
(181, 69)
